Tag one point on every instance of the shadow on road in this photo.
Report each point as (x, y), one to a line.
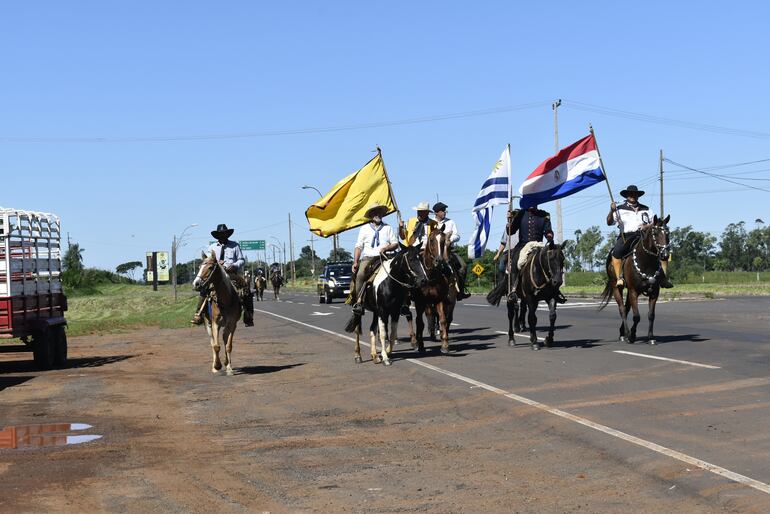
(84, 362)
(262, 370)
(12, 381)
(681, 338)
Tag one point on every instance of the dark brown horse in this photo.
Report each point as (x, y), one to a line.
(276, 279)
(642, 273)
(439, 296)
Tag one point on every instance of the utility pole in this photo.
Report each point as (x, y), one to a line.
(560, 225)
(291, 250)
(154, 271)
(312, 257)
(661, 184)
(173, 265)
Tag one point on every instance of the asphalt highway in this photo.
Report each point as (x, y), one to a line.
(699, 398)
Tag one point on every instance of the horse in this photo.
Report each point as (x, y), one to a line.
(641, 271)
(385, 298)
(222, 309)
(277, 280)
(260, 284)
(438, 297)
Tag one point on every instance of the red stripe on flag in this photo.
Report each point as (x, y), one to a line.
(585, 145)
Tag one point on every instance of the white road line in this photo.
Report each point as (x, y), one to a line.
(708, 366)
(519, 334)
(475, 305)
(333, 307)
(674, 454)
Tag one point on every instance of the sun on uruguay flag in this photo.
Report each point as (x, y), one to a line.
(574, 168)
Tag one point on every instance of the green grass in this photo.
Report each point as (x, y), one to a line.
(119, 307)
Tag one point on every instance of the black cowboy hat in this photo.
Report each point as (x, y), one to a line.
(222, 231)
(631, 189)
(440, 206)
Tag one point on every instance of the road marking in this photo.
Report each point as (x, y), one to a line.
(333, 307)
(315, 304)
(300, 303)
(519, 334)
(475, 305)
(663, 450)
(455, 324)
(316, 313)
(708, 366)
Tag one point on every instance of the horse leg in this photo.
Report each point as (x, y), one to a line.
(228, 338)
(444, 327)
(216, 365)
(513, 313)
(357, 349)
(393, 333)
(532, 318)
(651, 319)
(622, 310)
(419, 309)
(412, 335)
(633, 299)
(383, 330)
(373, 340)
(552, 319)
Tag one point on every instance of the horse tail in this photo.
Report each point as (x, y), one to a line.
(606, 294)
(496, 294)
(353, 323)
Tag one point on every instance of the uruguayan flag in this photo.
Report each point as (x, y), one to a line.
(495, 191)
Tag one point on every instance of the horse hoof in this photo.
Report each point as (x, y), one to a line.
(386, 363)
(511, 342)
(445, 351)
(359, 360)
(377, 360)
(653, 342)
(230, 373)
(535, 346)
(548, 343)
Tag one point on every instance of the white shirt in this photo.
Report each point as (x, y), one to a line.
(632, 218)
(367, 239)
(450, 229)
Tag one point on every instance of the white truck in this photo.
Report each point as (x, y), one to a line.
(32, 303)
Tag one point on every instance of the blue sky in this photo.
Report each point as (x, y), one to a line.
(72, 73)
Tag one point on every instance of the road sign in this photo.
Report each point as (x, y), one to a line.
(253, 245)
(478, 269)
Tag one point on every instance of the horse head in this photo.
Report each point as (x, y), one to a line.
(436, 249)
(655, 237)
(410, 265)
(555, 258)
(208, 267)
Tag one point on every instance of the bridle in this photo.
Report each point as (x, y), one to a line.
(412, 273)
(548, 275)
(207, 281)
(655, 230)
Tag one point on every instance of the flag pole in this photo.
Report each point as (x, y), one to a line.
(390, 186)
(509, 264)
(606, 180)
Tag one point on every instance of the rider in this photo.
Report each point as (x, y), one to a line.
(631, 217)
(532, 225)
(231, 258)
(374, 239)
(417, 228)
(450, 229)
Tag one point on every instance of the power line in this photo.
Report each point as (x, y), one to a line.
(718, 177)
(269, 133)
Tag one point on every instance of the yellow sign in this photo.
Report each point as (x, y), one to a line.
(478, 269)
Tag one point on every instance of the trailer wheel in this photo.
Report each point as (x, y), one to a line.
(44, 349)
(60, 352)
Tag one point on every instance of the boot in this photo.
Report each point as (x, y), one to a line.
(617, 265)
(664, 281)
(560, 298)
(462, 294)
(197, 319)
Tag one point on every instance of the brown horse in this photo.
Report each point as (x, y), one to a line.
(277, 280)
(260, 284)
(642, 273)
(439, 296)
(222, 308)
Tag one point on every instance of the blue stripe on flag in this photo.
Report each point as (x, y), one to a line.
(495, 181)
(480, 236)
(582, 181)
(490, 196)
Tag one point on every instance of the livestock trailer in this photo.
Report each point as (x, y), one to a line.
(32, 303)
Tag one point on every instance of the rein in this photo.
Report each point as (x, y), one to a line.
(394, 279)
(656, 254)
(547, 275)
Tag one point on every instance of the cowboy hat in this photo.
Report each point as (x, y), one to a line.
(375, 207)
(222, 231)
(631, 190)
(422, 206)
(440, 206)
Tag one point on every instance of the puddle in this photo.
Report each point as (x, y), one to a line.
(39, 436)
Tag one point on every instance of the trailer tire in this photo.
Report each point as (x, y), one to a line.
(60, 352)
(44, 349)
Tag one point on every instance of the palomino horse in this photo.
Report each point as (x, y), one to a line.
(260, 284)
(277, 280)
(438, 297)
(385, 298)
(641, 271)
(539, 280)
(222, 309)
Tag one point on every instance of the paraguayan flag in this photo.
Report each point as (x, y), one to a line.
(496, 190)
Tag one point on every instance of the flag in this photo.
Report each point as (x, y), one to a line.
(574, 168)
(344, 206)
(496, 190)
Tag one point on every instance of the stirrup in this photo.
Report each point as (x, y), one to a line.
(358, 309)
(197, 320)
(620, 283)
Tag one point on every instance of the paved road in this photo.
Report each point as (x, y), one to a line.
(706, 406)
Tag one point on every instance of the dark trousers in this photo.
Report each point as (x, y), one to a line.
(624, 244)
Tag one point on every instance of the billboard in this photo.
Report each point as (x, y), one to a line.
(164, 267)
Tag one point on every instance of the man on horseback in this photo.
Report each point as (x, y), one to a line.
(456, 262)
(418, 227)
(374, 239)
(231, 258)
(631, 217)
(532, 225)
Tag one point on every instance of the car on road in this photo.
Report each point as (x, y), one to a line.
(334, 281)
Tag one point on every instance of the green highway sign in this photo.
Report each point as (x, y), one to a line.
(252, 245)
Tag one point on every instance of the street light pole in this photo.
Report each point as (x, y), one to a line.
(335, 240)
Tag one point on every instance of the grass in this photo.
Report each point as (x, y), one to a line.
(119, 307)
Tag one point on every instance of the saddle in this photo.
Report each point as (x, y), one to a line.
(527, 252)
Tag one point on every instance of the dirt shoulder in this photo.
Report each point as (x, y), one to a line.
(300, 428)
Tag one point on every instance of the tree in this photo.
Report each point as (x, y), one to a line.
(127, 268)
(586, 246)
(600, 257)
(73, 258)
(732, 248)
(692, 252)
(342, 255)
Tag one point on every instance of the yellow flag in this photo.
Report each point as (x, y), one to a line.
(344, 206)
